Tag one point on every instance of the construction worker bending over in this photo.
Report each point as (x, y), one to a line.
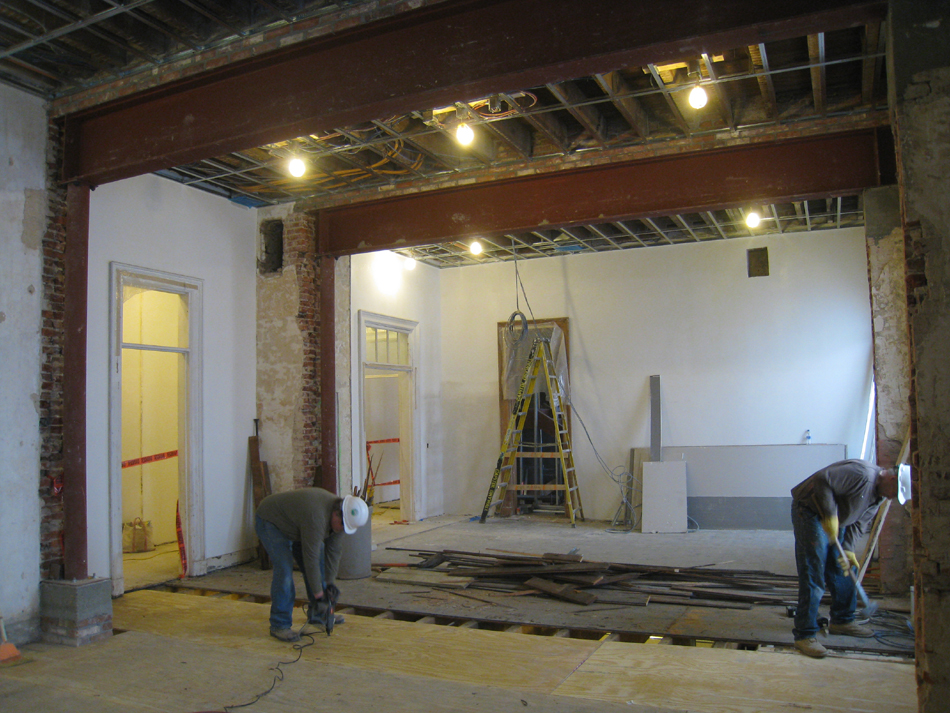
(841, 498)
(306, 525)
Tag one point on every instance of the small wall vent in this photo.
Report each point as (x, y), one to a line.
(758, 259)
(272, 247)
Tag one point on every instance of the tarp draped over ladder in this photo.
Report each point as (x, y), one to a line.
(540, 365)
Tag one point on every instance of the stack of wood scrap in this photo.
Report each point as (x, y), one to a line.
(570, 578)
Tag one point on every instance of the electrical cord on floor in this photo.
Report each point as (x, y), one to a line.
(278, 675)
(893, 630)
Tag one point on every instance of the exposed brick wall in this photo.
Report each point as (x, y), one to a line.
(922, 115)
(51, 396)
(300, 253)
(323, 24)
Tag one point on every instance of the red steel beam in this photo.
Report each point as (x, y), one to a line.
(827, 165)
(76, 259)
(420, 59)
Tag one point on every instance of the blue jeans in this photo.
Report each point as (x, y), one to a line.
(818, 568)
(283, 552)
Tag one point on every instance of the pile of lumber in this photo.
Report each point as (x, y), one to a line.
(570, 578)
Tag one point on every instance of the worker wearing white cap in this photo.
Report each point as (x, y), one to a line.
(306, 525)
(841, 498)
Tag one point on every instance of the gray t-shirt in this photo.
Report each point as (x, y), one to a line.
(847, 488)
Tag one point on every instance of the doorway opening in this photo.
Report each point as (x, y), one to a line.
(154, 435)
(388, 416)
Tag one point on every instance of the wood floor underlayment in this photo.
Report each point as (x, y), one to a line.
(198, 653)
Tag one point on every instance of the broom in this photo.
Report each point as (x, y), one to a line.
(8, 652)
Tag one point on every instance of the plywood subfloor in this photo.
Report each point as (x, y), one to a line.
(440, 652)
(646, 677)
(699, 679)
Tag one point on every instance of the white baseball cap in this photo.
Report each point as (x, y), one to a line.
(903, 484)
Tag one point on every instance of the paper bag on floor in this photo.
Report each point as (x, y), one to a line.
(137, 536)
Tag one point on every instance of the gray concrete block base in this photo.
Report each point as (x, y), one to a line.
(75, 612)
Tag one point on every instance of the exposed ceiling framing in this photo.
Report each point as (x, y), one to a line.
(822, 75)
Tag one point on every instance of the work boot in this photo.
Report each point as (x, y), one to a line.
(811, 647)
(285, 634)
(852, 628)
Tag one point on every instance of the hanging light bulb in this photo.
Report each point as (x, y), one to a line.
(409, 263)
(297, 167)
(752, 219)
(697, 97)
(475, 248)
(464, 134)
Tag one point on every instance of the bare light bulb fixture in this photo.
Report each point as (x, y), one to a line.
(752, 219)
(409, 263)
(464, 134)
(475, 248)
(697, 97)
(296, 167)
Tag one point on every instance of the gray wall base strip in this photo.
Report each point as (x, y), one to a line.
(740, 513)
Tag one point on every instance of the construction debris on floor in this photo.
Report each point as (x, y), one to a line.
(570, 578)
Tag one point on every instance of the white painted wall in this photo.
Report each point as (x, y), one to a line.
(154, 223)
(22, 226)
(415, 297)
(742, 361)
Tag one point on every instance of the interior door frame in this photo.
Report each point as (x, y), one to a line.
(190, 480)
(411, 487)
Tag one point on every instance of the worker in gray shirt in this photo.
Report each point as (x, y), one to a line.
(306, 525)
(839, 500)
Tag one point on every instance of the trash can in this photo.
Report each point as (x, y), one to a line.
(356, 560)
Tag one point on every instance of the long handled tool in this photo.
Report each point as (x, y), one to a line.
(862, 595)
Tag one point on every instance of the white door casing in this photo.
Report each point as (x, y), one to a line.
(190, 486)
(412, 487)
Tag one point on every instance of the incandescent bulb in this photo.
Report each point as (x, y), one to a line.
(464, 134)
(296, 167)
(475, 247)
(409, 263)
(697, 97)
(753, 219)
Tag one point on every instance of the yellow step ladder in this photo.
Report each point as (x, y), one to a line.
(540, 365)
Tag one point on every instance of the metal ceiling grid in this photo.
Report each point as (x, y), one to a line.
(723, 224)
(784, 84)
(54, 47)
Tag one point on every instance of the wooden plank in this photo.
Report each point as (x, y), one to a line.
(545, 569)
(663, 599)
(724, 681)
(423, 577)
(561, 591)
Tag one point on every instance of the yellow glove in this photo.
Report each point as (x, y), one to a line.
(830, 526)
(848, 561)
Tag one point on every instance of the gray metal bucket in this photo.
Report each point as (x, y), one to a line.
(356, 558)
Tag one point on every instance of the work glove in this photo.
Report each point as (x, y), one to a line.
(830, 526)
(849, 560)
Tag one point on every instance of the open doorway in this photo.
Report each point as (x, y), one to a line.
(388, 416)
(153, 427)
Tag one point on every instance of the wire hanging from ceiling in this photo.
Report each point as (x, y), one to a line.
(619, 475)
